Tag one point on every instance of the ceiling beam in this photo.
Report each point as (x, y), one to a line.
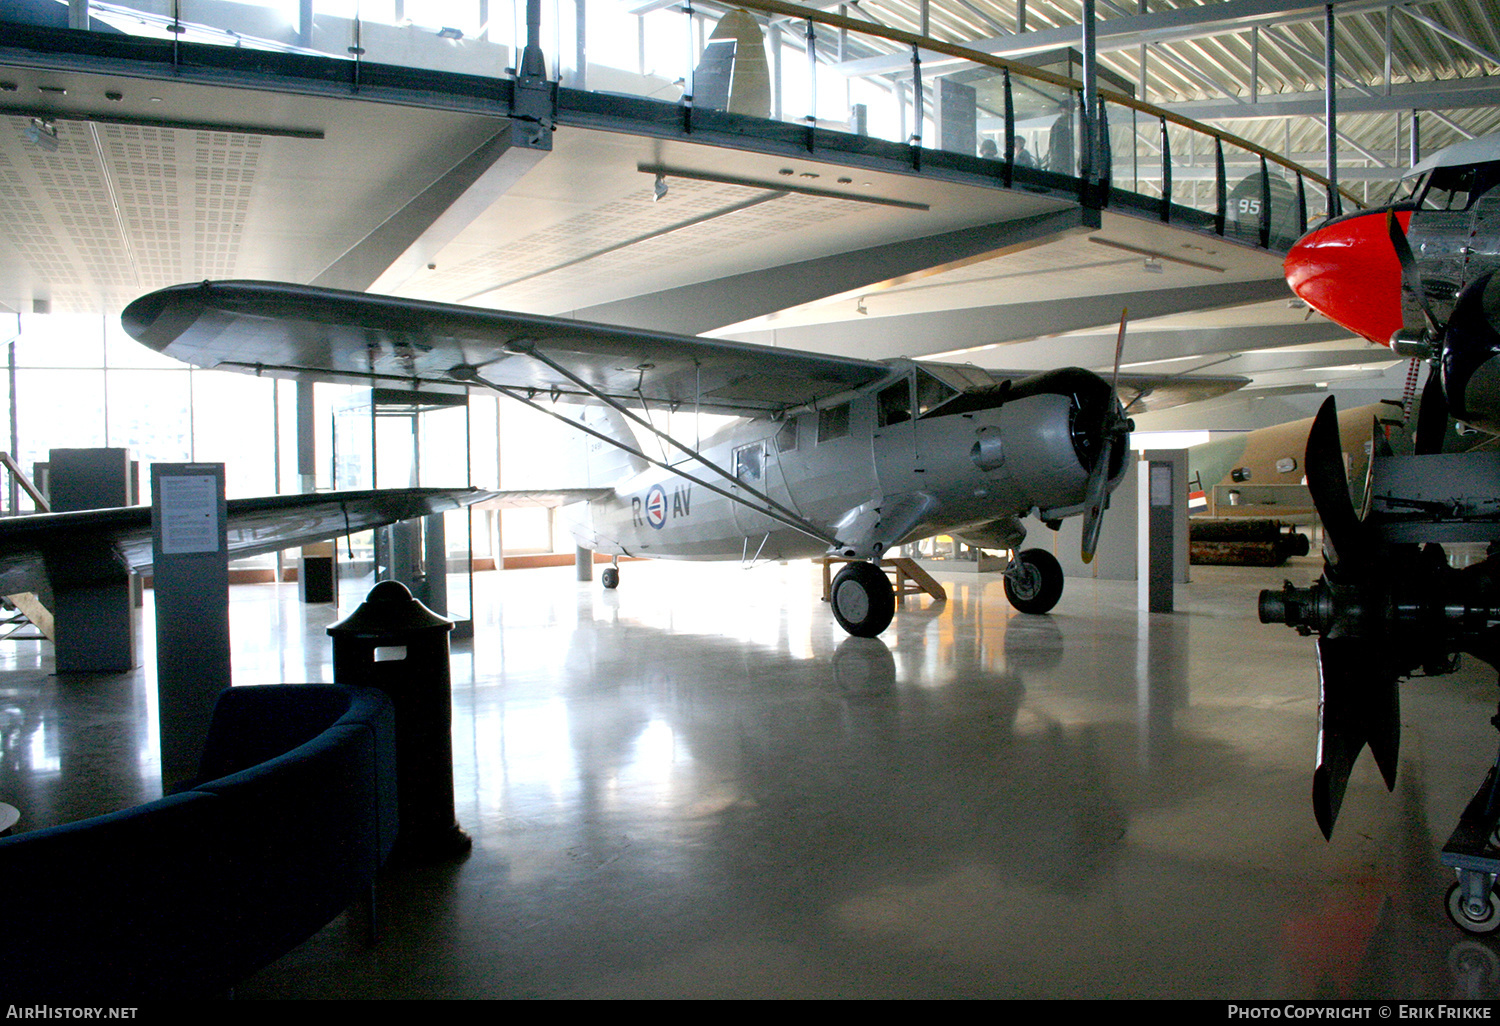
(705, 306)
(1123, 33)
(1422, 96)
(411, 237)
(972, 330)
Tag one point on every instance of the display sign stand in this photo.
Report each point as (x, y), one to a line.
(1163, 528)
(190, 574)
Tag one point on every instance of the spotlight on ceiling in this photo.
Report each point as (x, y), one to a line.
(450, 33)
(1153, 265)
(42, 134)
(659, 190)
(860, 306)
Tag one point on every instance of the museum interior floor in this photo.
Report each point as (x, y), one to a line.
(698, 787)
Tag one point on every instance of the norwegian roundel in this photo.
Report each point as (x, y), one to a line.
(656, 507)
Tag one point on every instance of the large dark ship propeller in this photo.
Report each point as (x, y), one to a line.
(1358, 699)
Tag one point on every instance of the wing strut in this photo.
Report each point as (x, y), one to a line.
(788, 516)
(788, 519)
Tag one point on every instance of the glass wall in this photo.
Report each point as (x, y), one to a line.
(80, 382)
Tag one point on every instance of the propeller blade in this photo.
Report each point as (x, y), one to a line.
(1093, 516)
(1114, 382)
(1412, 292)
(1432, 418)
(1358, 704)
(1326, 479)
(1111, 426)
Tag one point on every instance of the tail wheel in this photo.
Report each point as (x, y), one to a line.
(1034, 581)
(862, 599)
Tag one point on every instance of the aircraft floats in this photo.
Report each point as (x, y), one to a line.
(828, 455)
(1419, 275)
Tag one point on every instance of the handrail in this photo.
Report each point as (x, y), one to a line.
(35, 493)
(1026, 71)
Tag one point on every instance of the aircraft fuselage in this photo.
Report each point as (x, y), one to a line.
(874, 470)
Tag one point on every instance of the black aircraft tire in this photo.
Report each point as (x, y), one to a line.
(1038, 584)
(1461, 918)
(610, 579)
(862, 599)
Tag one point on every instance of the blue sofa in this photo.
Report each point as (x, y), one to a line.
(293, 813)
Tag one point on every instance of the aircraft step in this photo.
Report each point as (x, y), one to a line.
(909, 577)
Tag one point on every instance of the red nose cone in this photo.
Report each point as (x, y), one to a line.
(1348, 271)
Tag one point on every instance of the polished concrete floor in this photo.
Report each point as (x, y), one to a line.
(698, 787)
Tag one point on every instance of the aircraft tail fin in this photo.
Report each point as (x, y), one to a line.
(607, 463)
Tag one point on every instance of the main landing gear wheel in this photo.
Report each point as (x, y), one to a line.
(610, 578)
(1034, 581)
(862, 599)
(1463, 917)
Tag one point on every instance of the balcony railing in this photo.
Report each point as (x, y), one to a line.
(1028, 125)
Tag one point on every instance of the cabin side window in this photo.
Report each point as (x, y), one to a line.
(749, 461)
(833, 422)
(786, 438)
(894, 403)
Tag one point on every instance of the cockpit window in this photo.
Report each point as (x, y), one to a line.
(1408, 189)
(1456, 188)
(931, 393)
(1448, 189)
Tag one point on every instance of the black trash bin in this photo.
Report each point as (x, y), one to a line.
(395, 643)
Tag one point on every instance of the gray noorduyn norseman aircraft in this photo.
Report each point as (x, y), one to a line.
(829, 455)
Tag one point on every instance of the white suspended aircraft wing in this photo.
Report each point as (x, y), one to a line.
(326, 334)
(98, 545)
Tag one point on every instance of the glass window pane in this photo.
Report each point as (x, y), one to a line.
(150, 414)
(120, 350)
(60, 340)
(232, 425)
(58, 409)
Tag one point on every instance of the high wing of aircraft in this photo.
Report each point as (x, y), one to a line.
(101, 545)
(829, 455)
(1418, 275)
